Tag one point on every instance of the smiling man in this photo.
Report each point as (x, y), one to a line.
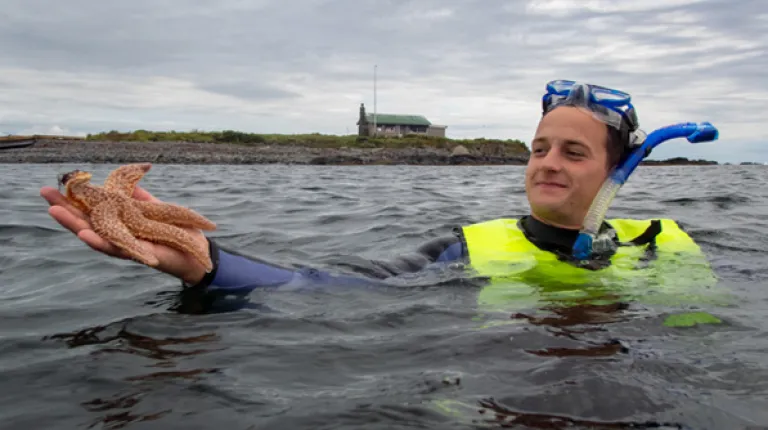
(585, 132)
(569, 162)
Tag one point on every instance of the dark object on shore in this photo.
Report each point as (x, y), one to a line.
(10, 142)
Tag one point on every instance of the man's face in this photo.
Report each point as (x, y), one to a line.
(568, 165)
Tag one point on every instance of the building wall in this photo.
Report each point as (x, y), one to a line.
(436, 130)
(402, 130)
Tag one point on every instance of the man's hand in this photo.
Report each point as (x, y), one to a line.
(172, 261)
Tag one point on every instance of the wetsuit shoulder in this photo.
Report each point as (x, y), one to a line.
(438, 250)
(445, 248)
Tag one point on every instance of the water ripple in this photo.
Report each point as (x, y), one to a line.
(93, 342)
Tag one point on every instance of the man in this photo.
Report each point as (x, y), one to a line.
(585, 131)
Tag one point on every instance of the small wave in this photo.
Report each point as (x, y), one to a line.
(122, 339)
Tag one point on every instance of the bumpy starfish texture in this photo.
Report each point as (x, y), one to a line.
(122, 220)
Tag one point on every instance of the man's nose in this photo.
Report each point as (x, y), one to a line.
(552, 161)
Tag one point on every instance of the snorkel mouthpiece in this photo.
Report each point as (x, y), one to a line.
(588, 242)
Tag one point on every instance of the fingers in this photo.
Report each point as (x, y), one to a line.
(55, 198)
(68, 219)
(75, 221)
(98, 243)
(82, 229)
(52, 195)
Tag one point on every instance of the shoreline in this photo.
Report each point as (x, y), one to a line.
(173, 152)
(48, 151)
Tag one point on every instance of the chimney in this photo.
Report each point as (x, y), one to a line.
(363, 119)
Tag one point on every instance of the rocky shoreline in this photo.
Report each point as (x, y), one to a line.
(79, 151)
(173, 152)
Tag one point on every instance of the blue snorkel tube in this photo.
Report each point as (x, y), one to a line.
(587, 240)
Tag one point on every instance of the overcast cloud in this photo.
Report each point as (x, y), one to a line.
(299, 66)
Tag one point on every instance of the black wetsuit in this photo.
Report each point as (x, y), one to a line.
(235, 274)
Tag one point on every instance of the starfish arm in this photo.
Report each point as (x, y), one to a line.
(76, 202)
(123, 180)
(169, 213)
(106, 223)
(86, 197)
(166, 234)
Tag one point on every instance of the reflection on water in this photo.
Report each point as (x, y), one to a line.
(112, 419)
(505, 417)
(132, 343)
(592, 315)
(116, 412)
(552, 353)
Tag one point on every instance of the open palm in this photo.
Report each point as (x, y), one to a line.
(172, 261)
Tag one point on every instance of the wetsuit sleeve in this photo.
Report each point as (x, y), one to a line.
(236, 275)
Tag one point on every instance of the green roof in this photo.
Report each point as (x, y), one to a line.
(389, 119)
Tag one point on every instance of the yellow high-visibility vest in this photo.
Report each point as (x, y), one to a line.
(519, 271)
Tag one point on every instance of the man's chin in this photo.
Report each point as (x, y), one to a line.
(550, 208)
(550, 201)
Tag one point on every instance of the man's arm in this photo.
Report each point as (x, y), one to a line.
(236, 275)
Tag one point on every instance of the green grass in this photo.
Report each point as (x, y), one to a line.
(314, 140)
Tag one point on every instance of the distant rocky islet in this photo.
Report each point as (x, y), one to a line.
(179, 152)
(79, 151)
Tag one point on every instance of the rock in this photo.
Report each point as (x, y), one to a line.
(78, 152)
(459, 150)
(336, 160)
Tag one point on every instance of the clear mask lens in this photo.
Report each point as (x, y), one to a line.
(596, 93)
(605, 104)
(602, 94)
(560, 87)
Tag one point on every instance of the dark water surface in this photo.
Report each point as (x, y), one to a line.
(92, 342)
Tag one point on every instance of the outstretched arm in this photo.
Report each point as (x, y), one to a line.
(236, 275)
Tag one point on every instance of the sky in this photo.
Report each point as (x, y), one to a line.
(302, 66)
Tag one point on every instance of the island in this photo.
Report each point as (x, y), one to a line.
(678, 161)
(236, 147)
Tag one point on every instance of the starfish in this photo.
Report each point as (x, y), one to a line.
(123, 220)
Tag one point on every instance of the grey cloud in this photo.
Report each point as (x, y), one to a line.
(233, 63)
(249, 90)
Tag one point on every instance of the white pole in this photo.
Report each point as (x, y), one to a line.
(374, 100)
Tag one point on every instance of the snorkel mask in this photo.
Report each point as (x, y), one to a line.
(612, 107)
(615, 109)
